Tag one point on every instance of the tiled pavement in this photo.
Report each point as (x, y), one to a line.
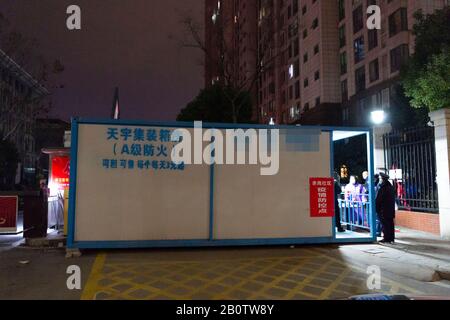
(249, 274)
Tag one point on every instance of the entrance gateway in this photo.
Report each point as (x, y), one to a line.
(127, 192)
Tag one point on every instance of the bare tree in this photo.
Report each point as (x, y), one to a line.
(21, 54)
(223, 53)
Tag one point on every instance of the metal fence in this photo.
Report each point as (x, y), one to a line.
(355, 211)
(411, 153)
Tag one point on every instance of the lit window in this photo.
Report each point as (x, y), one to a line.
(291, 71)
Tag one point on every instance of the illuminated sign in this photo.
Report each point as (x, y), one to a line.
(60, 171)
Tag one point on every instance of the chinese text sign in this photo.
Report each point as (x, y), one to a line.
(321, 197)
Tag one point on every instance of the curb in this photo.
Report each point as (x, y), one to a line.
(45, 242)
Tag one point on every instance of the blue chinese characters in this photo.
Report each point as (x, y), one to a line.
(141, 149)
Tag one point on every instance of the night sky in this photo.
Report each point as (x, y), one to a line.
(125, 43)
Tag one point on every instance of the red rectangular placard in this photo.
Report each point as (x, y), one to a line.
(60, 171)
(8, 213)
(321, 191)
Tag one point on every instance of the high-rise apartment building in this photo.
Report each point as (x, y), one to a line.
(370, 60)
(304, 76)
(231, 44)
(219, 31)
(321, 63)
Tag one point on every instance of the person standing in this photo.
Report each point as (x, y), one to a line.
(365, 182)
(354, 199)
(377, 187)
(385, 207)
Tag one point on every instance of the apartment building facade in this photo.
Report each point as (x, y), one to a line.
(231, 44)
(218, 18)
(303, 84)
(17, 113)
(321, 64)
(230, 39)
(370, 60)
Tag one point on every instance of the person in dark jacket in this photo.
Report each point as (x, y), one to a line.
(337, 209)
(385, 207)
(377, 187)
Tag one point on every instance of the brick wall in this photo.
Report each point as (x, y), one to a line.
(426, 222)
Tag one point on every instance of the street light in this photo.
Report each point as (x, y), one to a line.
(271, 122)
(378, 116)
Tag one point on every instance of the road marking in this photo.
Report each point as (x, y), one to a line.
(271, 277)
(91, 284)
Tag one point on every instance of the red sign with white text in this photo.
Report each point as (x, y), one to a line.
(8, 213)
(321, 191)
(61, 171)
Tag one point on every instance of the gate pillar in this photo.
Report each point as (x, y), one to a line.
(441, 120)
(378, 133)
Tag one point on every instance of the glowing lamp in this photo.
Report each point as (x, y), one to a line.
(378, 116)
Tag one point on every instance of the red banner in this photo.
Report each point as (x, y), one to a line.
(321, 191)
(8, 213)
(61, 171)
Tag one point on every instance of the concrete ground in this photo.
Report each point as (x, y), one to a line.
(27, 273)
(304, 272)
(12, 240)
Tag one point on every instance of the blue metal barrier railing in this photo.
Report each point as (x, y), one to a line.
(355, 211)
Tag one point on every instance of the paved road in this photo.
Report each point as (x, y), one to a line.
(39, 274)
(311, 272)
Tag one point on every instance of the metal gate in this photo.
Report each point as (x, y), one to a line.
(410, 157)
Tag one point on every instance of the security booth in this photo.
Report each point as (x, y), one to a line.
(58, 187)
(171, 184)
